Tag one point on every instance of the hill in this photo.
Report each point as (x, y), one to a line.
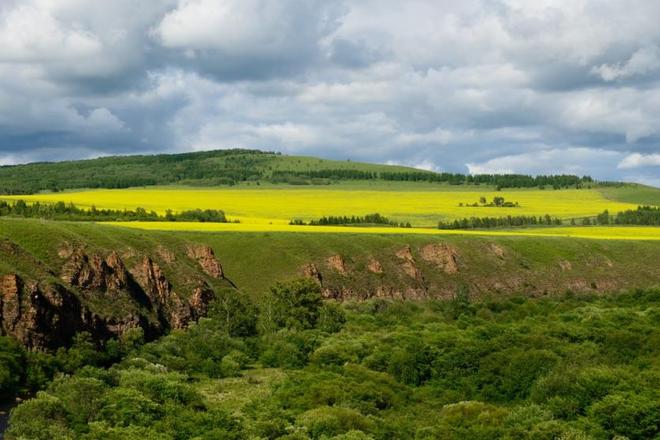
(348, 266)
(229, 167)
(209, 168)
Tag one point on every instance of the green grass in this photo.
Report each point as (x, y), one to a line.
(633, 193)
(255, 260)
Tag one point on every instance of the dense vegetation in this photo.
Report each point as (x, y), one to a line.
(68, 211)
(497, 202)
(499, 222)
(297, 368)
(369, 219)
(228, 167)
(643, 215)
(498, 180)
(203, 168)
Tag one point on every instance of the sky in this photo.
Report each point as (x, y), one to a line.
(478, 86)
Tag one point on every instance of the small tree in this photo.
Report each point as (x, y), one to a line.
(294, 305)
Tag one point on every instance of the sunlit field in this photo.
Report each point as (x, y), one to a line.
(271, 206)
(597, 232)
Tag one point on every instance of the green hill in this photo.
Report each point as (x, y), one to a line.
(221, 167)
(229, 167)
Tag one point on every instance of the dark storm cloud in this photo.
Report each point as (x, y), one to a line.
(479, 86)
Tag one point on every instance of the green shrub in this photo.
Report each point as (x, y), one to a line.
(330, 421)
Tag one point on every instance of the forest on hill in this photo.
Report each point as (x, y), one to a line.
(232, 166)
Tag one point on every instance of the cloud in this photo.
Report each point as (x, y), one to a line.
(642, 62)
(637, 160)
(240, 39)
(28, 33)
(477, 85)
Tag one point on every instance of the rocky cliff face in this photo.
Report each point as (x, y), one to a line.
(440, 269)
(46, 314)
(43, 316)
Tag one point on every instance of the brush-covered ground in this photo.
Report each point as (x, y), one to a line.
(293, 367)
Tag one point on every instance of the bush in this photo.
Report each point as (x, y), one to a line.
(330, 421)
(294, 305)
(636, 416)
(331, 317)
(126, 406)
(41, 418)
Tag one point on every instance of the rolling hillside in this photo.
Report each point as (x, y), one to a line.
(221, 167)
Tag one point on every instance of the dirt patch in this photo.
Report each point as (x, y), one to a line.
(337, 263)
(408, 265)
(10, 285)
(165, 254)
(441, 255)
(565, 265)
(497, 250)
(310, 271)
(65, 250)
(405, 254)
(374, 266)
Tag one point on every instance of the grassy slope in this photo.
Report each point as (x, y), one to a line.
(255, 260)
(204, 168)
(39, 242)
(633, 193)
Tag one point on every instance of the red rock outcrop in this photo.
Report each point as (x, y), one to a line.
(408, 264)
(374, 265)
(441, 255)
(38, 316)
(337, 263)
(310, 271)
(95, 273)
(206, 259)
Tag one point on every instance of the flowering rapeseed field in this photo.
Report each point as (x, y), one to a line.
(278, 205)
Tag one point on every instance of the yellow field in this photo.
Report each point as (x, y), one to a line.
(596, 232)
(273, 206)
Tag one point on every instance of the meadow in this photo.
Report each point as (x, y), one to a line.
(423, 205)
(597, 232)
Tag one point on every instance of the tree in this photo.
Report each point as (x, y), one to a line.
(234, 312)
(294, 305)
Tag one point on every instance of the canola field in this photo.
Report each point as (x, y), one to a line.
(276, 206)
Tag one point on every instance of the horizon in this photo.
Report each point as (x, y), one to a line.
(292, 155)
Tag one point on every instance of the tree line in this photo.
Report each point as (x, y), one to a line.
(497, 180)
(643, 215)
(369, 219)
(499, 222)
(69, 211)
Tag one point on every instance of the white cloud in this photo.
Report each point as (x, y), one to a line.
(28, 33)
(636, 160)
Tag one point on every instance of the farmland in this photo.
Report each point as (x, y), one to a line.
(422, 205)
